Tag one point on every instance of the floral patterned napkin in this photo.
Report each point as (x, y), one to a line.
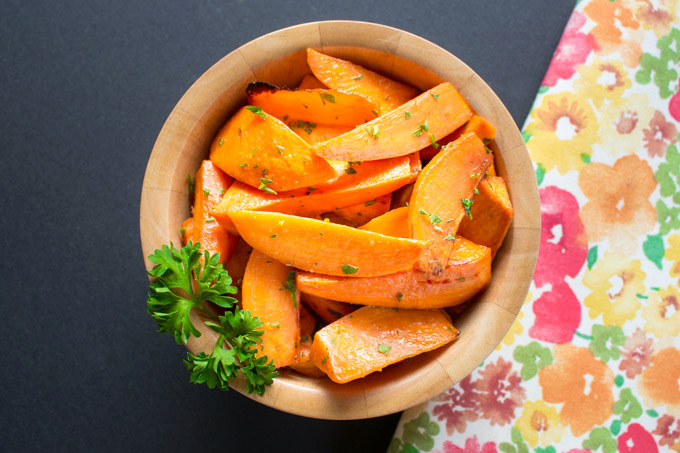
(592, 363)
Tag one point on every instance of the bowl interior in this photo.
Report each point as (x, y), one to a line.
(279, 58)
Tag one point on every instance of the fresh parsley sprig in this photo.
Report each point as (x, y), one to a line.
(183, 281)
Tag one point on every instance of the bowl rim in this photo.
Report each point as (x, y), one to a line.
(426, 375)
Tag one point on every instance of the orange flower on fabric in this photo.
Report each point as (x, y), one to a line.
(563, 128)
(616, 304)
(602, 80)
(659, 384)
(540, 423)
(662, 313)
(618, 208)
(582, 383)
(623, 124)
(615, 30)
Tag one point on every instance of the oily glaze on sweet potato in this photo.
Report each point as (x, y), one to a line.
(468, 272)
(491, 214)
(392, 223)
(484, 130)
(349, 77)
(261, 151)
(404, 130)
(210, 184)
(326, 309)
(440, 195)
(266, 296)
(317, 106)
(324, 247)
(371, 338)
(366, 181)
(309, 82)
(360, 213)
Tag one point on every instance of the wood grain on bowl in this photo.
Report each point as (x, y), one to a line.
(279, 58)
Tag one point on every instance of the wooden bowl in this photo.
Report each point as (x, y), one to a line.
(280, 58)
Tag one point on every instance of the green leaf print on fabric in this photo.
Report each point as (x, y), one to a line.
(604, 336)
(615, 427)
(550, 449)
(664, 75)
(592, 257)
(540, 174)
(600, 437)
(628, 407)
(533, 357)
(519, 445)
(654, 249)
(668, 177)
(420, 432)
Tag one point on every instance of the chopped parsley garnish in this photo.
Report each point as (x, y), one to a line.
(384, 349)
(488, 150)
(285, 117)
(373, 132)
(182, 231)
(210, 219)
(311, 189)
(486, 140)
(408, 114)
(434, 143)
(191, 183)
(289, 284)
(327, 97)
(422, 128)
(206, 192)
(242, 165)
(375, 112)
(334, 313)
(475, 190)
(257, 111)
(221, 140)
(370, 202)
(263, 186)
(273, 235)
(434, 96)
(348, 269)
(350, 171)
(359, 77)
(462, 279)
(450, 238)
(467, 204)
(399, 297)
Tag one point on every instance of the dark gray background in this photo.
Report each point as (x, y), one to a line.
(85, 87)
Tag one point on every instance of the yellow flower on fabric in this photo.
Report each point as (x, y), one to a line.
(562, 129)
(622, 124)
(673, 254)
(540, 423)
(615, 282)
(515, 329)
(662, 313)
(602, 80)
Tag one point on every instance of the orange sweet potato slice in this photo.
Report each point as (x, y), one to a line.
(349, 77)
(318, 106)
(405, 130)
(360, 213)
(277, 309)
(318, 246)
(304, 365)
(261, 151)
(317, 134)
(309, 82)
(468, 272)
(187, 231)
(326, 309)
(210, 183)
(442, 196)
(477, 124)
(367, 181)
(372, 338)
(392, 223)
(490, 215)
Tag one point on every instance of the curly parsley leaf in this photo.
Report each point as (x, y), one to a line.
(184, 279)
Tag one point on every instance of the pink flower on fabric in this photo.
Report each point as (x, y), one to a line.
(571, 52)
(674, 106)
(637, 440)
(471, 446)
(500, 392)
(558, 315)
(563, 248)
(460, 406)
